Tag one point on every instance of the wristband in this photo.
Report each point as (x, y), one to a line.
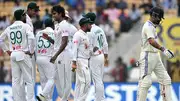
(162, 49)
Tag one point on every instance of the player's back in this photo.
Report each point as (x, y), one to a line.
(18, 34)
(98, 36)
(43, 46)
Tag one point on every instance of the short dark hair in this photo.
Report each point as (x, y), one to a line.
(59, 9)
(84, 21)
(90, 15)
(18, 14)
(49, 22)
(33, 5)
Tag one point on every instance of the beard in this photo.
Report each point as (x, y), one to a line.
(24, 20)
(88, 30)
(157, 22)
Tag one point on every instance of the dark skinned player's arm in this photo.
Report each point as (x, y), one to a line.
(106, 56)
(64, 43)
(155, 44)
(45, 36)
(50, 40)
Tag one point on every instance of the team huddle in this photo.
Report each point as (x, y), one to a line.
(60, 49)
(57, 50)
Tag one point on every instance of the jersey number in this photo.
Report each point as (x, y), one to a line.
(16, 37)
(100, 38)
(42, 43)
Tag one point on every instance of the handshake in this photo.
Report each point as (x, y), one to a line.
(167, 53)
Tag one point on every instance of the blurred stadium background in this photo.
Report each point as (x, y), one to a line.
(122, 21)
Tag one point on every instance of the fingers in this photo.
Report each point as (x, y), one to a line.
(52, 61)
(95, 49)
(74, 67)
(73, 70)
(9, 53)
(45, 36)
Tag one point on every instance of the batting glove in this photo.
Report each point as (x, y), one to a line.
(168, 53)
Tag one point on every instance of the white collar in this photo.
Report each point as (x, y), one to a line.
(82, 31)
(49, 28)
(28, 17)
(18, 22)
(93, 25)
(152, 23)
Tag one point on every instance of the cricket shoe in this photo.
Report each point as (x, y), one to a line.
(41, 98)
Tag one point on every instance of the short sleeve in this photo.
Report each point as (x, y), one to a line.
(76, 41)
(65, 31)
(150, 32)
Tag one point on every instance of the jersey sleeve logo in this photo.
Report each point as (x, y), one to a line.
(75, 41)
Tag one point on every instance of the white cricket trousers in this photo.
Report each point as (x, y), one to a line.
(33, 60)
(33, 77)
(47, 74)
(63, 75)
(151, 62)
(97, 69)
(83, 80)
(22, 69)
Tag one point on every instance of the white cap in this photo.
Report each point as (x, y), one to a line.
(67, 14)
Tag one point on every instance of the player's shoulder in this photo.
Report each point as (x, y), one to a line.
(64, 23)
(78, 33)
(7, 29)
(26, 25)
(90, 34)
(39, 32)
(48, 29)
(148, 24)
(73, 28)
(96, 28)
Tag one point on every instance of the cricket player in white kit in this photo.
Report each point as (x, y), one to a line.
(44, 52)
(21, 44)
(150, 60)
(72, 30)
(32, 10)
(99, 46)
(81, 55)
(62, 56)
